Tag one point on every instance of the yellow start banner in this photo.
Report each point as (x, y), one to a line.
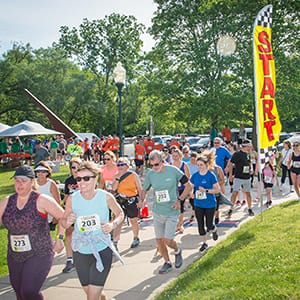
(267, 117)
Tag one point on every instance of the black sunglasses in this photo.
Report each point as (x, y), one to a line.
(74, 168)
(106, 158)
(155, 165)
(84, 178)
(121, 164)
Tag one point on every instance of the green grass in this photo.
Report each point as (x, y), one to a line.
(7, 188)
(260, 260)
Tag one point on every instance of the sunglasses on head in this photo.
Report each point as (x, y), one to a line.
(154, 165)
(121, 164)
(84, 178)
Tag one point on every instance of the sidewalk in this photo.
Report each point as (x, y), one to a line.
(138, 278)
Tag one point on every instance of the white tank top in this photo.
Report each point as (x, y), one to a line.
(45, 189)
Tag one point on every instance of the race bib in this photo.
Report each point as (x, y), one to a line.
(88, 223)
(108, 184)
(268, 179)
(253, 161)
(162, 196)
(246, 169)
(296, 164)
(140, 157)
(200, 195)
(20, 243)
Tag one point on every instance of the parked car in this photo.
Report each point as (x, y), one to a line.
(201, 144)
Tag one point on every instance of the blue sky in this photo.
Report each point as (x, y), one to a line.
(38, 21)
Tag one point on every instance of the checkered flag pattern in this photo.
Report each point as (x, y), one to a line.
(264, 18)
(265, 154)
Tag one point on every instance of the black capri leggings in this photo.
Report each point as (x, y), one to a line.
(85, 265)
(205, 215)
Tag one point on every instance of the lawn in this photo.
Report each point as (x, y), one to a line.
(261, 260)
(7, 188)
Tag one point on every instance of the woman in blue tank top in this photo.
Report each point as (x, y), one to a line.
(88, 209)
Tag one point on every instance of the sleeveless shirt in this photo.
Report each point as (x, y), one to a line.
(45, 189)
(27, 221)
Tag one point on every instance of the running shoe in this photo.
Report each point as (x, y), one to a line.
(203, 247)
(244, 202)
(69, 267)
(250, 212)
(238, 202)
(215, 235)
(229, 213)
(178, 259)
(135, 243)
(165, 268)
(217, 220)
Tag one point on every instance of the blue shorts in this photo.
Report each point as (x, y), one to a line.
(165, 226)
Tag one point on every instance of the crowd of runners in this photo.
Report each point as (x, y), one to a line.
(103, 190)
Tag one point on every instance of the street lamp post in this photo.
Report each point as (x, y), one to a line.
(119, 74)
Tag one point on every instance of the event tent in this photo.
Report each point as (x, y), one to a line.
(3, 127)
(27, 128)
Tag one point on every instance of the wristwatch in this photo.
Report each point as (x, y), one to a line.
(60, 236)
(206, 191)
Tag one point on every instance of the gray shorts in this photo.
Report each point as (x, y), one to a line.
(165, 226)
(241, 184)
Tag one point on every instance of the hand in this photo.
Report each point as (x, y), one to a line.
(58, 246)
(176, 205)
(107, 227)
(70, 219)
(140, 204)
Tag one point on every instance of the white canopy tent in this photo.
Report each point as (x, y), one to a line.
(3, 127)
(27, 128)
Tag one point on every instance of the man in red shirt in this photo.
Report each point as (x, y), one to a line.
(149, 146)
(226, 133)
(139, 157)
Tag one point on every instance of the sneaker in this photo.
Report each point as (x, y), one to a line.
(135, 243)
(215, 235)
(192, 219)
(270, 203)
(229, 213)
(69, 267)
(250, 212)
(238, 202)
(244, 202)
(165, 268)
(178, 259)
(203, 247)
(217, 220)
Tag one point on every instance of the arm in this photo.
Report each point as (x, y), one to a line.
(3, 204)
(118, 212)
(139, 189)
(221, 180)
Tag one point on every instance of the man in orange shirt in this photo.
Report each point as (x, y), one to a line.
(114, 144)
(139, 157)
(174, 143)
(149, 146)
(226, 133)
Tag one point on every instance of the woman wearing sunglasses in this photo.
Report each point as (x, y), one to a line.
(88, 209)
(71, 186)
(294, 166)
(128, 187)
(47, 186)
(108, 170)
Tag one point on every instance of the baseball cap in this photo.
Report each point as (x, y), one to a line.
(38, 142)
(24, 171)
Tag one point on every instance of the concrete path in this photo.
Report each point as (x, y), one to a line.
(139, 278)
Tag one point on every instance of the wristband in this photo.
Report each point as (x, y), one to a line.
(60, 236)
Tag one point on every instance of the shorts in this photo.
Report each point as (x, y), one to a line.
(85, 265)
(268, 185)
(295, 170)
(130, 209)
(165, 226)
(241, 183)
(138, 162)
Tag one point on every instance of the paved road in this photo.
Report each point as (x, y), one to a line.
(138, 279)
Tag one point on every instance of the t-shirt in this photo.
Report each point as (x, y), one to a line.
(40, 154)
(71, 185)
(165, 185)
(222, 155)
(241, 161)
(204, 200)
